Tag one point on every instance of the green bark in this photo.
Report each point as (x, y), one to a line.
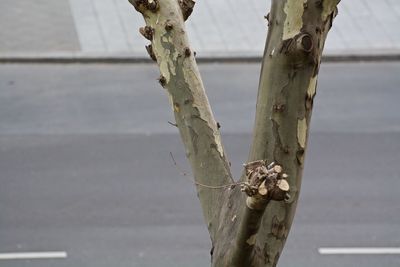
(246, 228)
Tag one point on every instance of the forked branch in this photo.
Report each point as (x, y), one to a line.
(247, 228)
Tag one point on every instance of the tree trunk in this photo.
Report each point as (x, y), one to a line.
(248, 224)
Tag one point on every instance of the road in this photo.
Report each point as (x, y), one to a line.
(85, 167)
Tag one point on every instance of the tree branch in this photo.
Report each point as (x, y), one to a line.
(288, 80)
(180, 76)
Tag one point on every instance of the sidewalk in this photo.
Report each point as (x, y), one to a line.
(108, 29)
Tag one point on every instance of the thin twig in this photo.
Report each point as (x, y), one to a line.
(183, 173)
(173, 124)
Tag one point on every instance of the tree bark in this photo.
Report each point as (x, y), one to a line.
(249, 224)
(180, 77)
(292, 56)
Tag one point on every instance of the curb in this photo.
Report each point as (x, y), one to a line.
(115, 59)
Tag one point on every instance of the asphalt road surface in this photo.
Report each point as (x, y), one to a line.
(85, 167)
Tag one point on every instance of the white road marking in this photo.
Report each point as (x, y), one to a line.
(359, 251)
(33, 255)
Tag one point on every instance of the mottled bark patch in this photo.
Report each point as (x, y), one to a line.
(302, 132)
(311, 91)
(293, 22)
(277, 138)
(251, 240)
(328, 6)
(278, 228)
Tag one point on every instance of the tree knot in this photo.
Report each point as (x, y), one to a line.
(186, 7)
(301, 50)
(147, 32)
(150, 51)
(143, 5)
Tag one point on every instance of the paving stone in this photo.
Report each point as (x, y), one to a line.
(239, 28)
(36, 26)
(216, 28)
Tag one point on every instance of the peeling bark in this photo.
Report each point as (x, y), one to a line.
(193, 116)
(249, 224)
(288, 79)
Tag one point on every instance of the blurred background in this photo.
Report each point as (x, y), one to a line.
(217, 28)
(85, 173)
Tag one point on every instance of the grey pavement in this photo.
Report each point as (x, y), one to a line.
(39, 26)
(109, 28)
(63, 99)
(85, 167)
